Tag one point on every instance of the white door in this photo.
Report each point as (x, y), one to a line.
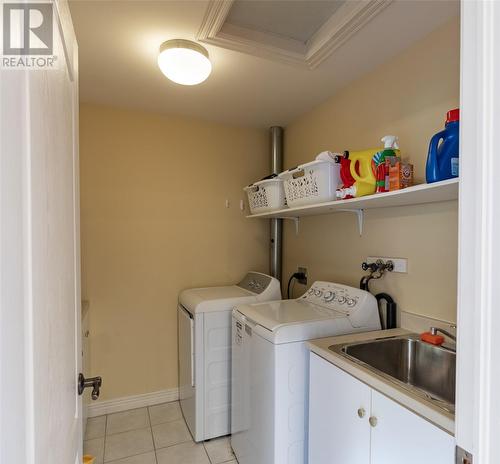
(40, 351)
(478, 370)
(400, 436)
(339, 406)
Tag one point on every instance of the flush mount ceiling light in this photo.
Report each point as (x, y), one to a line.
(184, 62)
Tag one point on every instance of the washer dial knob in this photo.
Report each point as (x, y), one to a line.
(329, 296)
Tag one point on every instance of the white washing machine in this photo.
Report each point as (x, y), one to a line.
(204, 329)
(270, 367)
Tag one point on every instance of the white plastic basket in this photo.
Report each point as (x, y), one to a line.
(313, 182)
(266, 195)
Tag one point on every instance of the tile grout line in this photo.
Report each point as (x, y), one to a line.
(206, 452)
(220, 462)
(152, 436)
(127, 431)
(155, 449)
(105, 435)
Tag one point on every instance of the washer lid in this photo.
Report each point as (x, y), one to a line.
(207, 299)
(276, 314)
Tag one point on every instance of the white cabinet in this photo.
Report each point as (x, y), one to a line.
(402, 436)
(335, 399)
(350, 423)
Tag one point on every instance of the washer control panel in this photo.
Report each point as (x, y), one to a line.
(336, 297)
(255, 282)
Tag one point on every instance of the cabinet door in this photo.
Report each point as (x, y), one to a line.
(401, 436)
(337, 433)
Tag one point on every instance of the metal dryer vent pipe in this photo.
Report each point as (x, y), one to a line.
(276, 243)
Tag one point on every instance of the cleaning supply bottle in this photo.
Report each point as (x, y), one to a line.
(362, 171)
(345, 168)
(391, 148)
(442, 160)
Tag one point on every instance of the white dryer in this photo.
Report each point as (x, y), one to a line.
(270, 367)
(204, 330)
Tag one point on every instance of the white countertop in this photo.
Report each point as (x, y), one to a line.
(418, 405)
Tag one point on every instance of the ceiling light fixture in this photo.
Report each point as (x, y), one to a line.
(184, 62)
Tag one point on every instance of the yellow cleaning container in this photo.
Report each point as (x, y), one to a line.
(88, 459)
(361, 161)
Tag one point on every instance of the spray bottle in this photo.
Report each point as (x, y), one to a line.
(391, 148)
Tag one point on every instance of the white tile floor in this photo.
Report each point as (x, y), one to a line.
(154, 435)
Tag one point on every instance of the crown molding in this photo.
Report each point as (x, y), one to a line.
(215, 15)
(343, 24)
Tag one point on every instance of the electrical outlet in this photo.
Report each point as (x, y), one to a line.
(400, 264)
(304, 271)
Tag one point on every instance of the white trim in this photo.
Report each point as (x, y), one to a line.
(478, 370)
(261, 44)
(343, 23)
(216, 14)
(100, 408)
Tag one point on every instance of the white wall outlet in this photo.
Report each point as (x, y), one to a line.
(400, 264)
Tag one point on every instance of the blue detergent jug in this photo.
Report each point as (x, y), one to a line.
(442, 160)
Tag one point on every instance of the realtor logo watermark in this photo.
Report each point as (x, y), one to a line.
(28, 36)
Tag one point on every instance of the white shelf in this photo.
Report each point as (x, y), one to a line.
(446, 190)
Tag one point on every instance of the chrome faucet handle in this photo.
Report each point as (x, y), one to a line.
(435, 330)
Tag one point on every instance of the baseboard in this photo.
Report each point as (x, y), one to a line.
(99, 408)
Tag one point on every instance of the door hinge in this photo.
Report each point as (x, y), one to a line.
(462, 456)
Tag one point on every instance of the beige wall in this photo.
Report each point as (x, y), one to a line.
(407, 96)
(154, 221)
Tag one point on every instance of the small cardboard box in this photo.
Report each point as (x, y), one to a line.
(400, 174)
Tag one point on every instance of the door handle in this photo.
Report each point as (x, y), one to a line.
(373, 421)
(94, 382)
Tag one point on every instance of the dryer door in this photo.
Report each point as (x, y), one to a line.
(186, 350)
(187, 391)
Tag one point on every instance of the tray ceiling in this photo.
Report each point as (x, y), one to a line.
(118, 44)
(297, 20)
(298, 32)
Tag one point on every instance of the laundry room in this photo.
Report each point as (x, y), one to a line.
(163, 169)
(270, 208)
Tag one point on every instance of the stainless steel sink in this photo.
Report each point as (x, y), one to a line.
(426, 370)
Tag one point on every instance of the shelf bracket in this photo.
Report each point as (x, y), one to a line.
(360, 213)
(296, 221)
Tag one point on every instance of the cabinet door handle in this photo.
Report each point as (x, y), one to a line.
(361, 413)
(373, 421)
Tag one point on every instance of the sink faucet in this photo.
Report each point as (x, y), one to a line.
(435, 330)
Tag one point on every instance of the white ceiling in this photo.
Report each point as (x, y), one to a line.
(295, 19)
(119, 41)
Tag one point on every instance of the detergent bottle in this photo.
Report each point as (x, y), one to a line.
(345, 168)
(391, 148)
(345, 175)
(362, 172)
(442, 160)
